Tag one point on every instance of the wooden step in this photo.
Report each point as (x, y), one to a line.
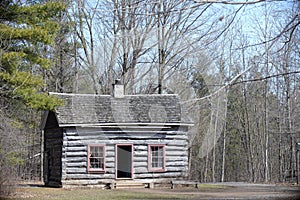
(129, 184)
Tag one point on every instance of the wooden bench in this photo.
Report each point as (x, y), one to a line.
(184, 182)
(130, 184)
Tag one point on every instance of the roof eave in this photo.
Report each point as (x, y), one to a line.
(127, 124)
(44, 119)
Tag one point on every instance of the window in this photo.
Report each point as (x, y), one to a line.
(96, 158)
(156, 157)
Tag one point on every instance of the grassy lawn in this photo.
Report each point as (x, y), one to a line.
(204, 191)
(90, 194)
(47, 193)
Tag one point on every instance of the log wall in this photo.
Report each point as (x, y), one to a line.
(75, 147)
(53, 156)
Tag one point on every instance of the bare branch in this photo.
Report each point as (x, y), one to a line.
(232, 82)
(229, 2)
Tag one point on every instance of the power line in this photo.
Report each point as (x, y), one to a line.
(265, 78)
(233, 82)
(255, 80)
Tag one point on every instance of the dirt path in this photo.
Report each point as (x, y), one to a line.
(241, 191)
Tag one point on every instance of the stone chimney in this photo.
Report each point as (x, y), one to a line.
(118, 89)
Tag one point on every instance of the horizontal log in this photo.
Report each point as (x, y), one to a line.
(87, 137)
(75, 143)
(93, 182)
(177, 136)
(74, 159)
(70, 133)
(177, 169)
(140, 164)
(126, 140)
(76, 170)
(110, 165)
(176, 164)
(175, 142)
(140, 170)
(140, 131)
(140, 158)
(176, 148)
(110, 154)
(109, 159)
(176, 158)
(120, 139)
(141, 147)
(132, 136)
(113, 132)
(177, 153)
(152, 180)
(76, 164)
(96, 127)
(76, 148)
(110, 170)
(81, 182)
(109, 147)
(139, 153)
(110, 131)
(77, 153)
(83, 170)
(90, 176)
(159, 175)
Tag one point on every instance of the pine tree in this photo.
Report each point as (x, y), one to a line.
(26, 32)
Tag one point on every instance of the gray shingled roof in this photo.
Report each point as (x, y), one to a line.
(101, 109)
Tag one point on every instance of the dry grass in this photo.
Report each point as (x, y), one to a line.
(91, 194)
(204, 191)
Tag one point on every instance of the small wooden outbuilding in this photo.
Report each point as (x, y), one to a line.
(97, 139)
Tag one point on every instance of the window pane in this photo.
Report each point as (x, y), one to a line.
(157, 156)
(160, 152)
(96, 157)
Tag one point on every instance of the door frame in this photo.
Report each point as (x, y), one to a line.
(116, 161)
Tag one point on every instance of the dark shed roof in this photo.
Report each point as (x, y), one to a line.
(84, 109)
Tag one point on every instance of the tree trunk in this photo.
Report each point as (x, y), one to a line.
(223, 155)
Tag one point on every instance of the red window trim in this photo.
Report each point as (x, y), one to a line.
(96, 170)
(155, 169)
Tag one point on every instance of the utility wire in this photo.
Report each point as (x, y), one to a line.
(265, 78)
(234, 82)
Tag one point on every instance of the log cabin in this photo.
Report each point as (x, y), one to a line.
(96, 140)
